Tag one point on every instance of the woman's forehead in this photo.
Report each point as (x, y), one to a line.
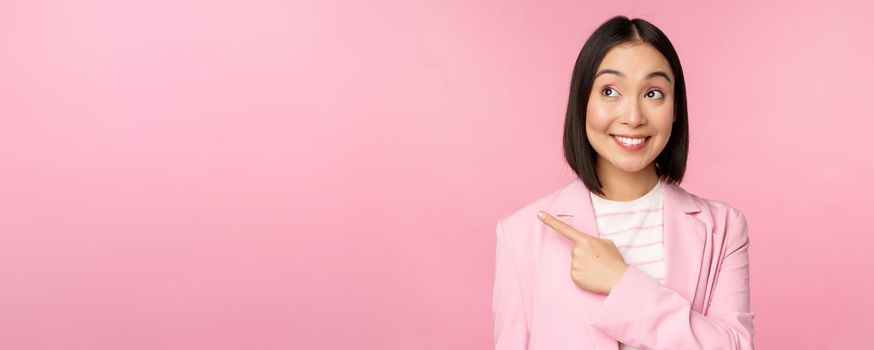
(634, 61)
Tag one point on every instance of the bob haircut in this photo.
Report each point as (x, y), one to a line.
(670, 164)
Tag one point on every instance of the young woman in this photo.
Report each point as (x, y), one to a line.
(622, 257)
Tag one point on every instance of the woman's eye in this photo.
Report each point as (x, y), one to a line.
(608, 94)
(651, 92)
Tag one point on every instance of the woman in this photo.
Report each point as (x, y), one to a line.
(622, 257)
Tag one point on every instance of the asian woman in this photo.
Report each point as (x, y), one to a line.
(622, 257)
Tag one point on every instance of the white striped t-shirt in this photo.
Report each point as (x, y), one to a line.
(636, 228)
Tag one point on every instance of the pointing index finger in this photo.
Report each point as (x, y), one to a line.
(561, 226)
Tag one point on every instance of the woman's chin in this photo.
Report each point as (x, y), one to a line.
(630, 168)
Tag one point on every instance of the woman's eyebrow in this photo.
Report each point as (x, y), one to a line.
(657, 73)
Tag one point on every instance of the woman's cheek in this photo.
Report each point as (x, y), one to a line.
(599, 116)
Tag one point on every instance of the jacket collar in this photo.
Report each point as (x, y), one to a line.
(684, 234)
(573, 200)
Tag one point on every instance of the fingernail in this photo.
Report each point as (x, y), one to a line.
(541, 214)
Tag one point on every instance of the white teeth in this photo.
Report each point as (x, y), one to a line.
(630, 142)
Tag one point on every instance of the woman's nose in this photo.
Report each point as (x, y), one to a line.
(633, 115)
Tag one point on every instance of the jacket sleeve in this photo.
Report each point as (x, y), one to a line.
(641, 312)
(508, 311)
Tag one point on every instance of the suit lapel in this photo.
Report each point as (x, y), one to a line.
(574, 206)
(684, 240)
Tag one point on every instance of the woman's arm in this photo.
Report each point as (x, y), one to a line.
(508, 311)
(643, 313)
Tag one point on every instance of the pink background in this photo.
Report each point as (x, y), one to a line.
(273, 175)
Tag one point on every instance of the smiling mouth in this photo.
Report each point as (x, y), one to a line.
(631, 143)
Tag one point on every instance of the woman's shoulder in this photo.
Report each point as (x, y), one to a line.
(523, 218)
(723, 218)
(718, 209)
(525, 215)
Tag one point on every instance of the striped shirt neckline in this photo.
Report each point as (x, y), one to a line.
(654, 191)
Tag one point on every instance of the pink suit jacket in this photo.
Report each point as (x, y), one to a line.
(704, 304)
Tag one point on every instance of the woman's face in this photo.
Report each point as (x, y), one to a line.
(632, 96)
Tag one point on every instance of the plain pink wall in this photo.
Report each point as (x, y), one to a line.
(274, 175)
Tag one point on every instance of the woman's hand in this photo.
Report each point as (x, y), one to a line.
(596, 265)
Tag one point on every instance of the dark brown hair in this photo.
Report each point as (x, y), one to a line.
(671, 162)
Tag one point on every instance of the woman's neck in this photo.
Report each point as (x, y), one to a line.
(623, 186)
